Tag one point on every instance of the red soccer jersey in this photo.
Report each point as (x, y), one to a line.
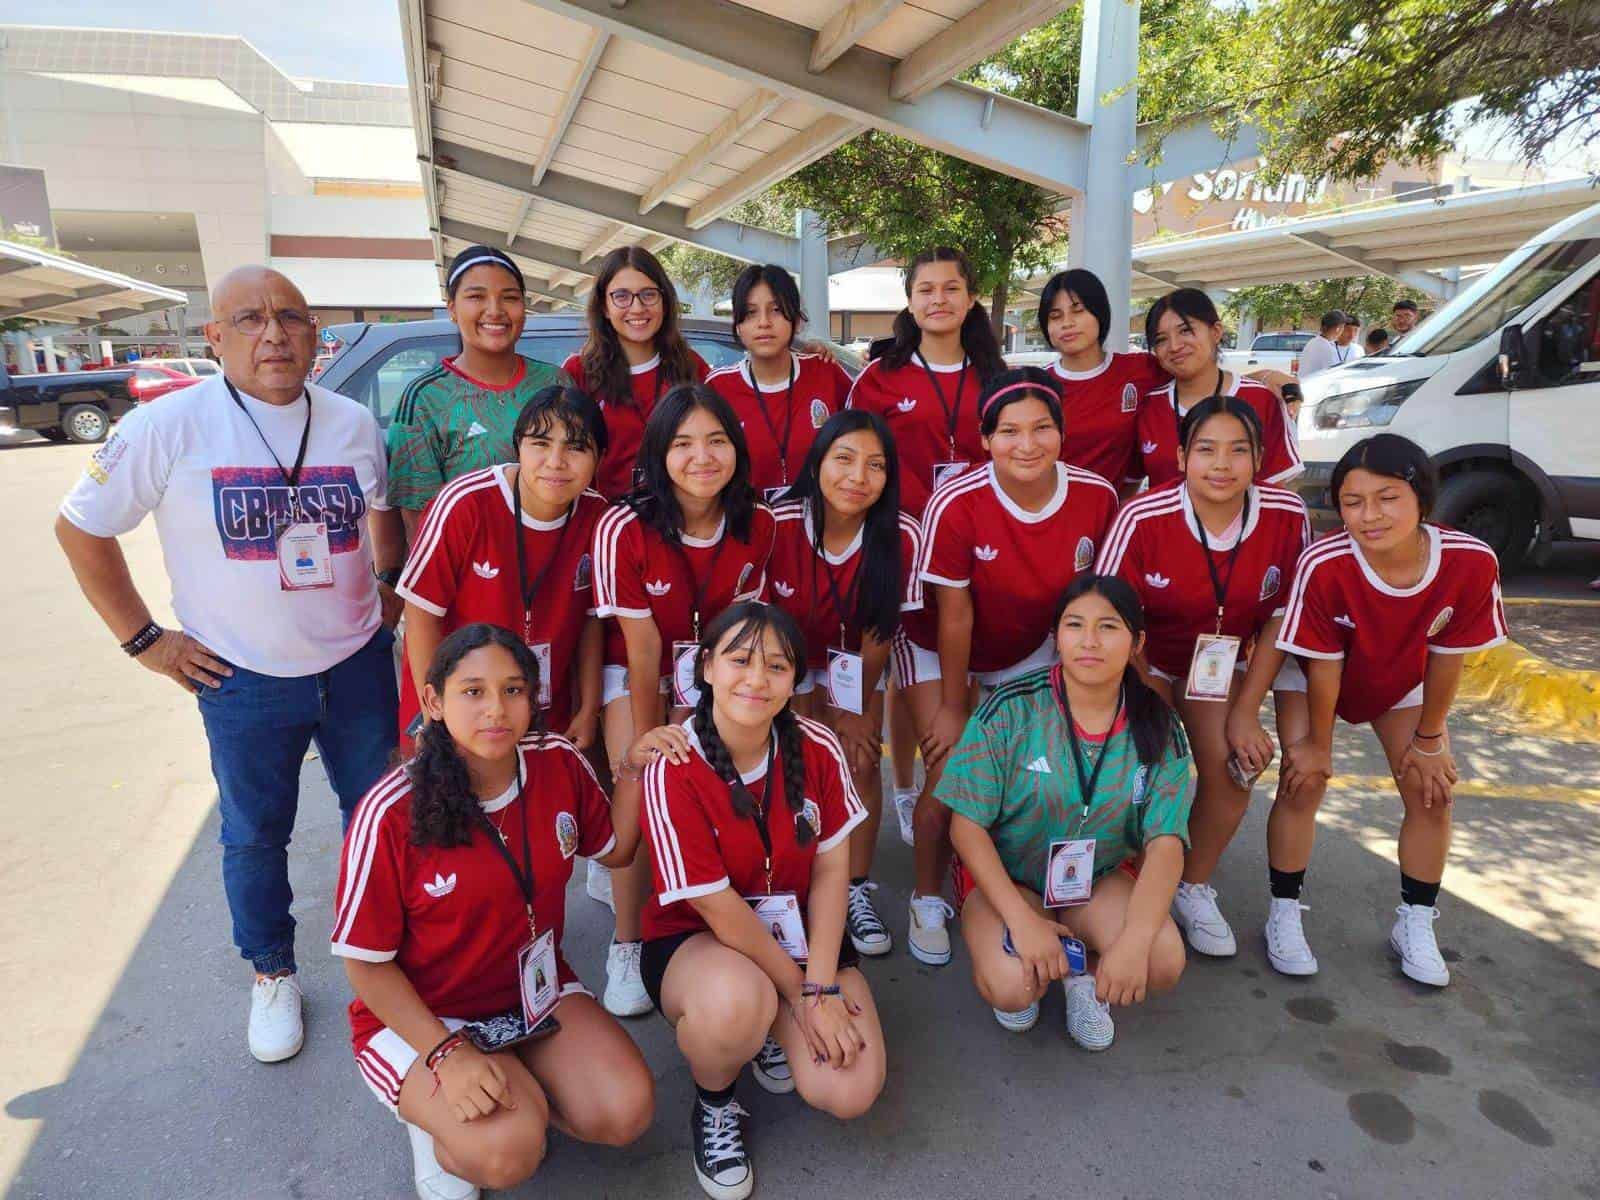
(463, 568)
(1100, 413)
(639, 574)
(1155, 547)
(1340, 608)
(926, 407)
(1016, 562)
(625, 422)
(698, 844)
(781, 420)
(798, 580)
(454, 918)
(1158, 434)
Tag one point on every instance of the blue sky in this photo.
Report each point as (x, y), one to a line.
(303, 37)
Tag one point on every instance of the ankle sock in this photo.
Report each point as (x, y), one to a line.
(1285, 885)
(1414, 891)
(720, 1098)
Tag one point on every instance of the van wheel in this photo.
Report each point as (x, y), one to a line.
(86, 423)
(1493, 508)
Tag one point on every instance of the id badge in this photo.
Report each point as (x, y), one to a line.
(773, 495)
(684, 692)
(541, 651)
(845, 679)
(943, 472)
(536, 966)
(305, 562)
(780, 913)
(1069, 872)
(1211, 669)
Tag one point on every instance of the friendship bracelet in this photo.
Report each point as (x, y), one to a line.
(1428, 737)
(1439, 753)
(438, 1054)
(143, 640)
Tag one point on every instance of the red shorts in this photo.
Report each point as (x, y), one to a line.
(962, 883)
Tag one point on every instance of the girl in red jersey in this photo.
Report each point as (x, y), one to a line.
(1184, 331)
(511, 545)
(451, 905)
(1382, 614)
(845, 515)
(752, 832)
(781, 397)
(1000, 545)
(1212, 558)
(690, 541)
(926, 385)
(635, 352)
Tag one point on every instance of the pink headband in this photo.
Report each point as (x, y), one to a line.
(1026, 385)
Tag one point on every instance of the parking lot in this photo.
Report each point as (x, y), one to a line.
(126, 1072)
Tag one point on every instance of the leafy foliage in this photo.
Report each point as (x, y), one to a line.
(1370, 297)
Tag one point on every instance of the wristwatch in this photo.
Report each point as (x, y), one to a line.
(390, 577)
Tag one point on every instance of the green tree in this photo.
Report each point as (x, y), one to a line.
(1370, 297)
(687, 265)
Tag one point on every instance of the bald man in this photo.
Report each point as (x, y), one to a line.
(269, 498)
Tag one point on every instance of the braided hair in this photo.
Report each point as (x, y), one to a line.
(749, 620)
(443, 805)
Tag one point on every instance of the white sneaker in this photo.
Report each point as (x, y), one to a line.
(868, 934)
(771, 1068)
(598, 884)
(433, 1181)
(1412, 939)
(905, 808)
(1194, 908)
(1089, 1020)
(1020, 1021)
(625, 995)
(927, 935)
(1287, 949)
(276, 1030)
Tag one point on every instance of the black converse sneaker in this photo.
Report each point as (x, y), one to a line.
(720, 1162)
(867, 932)
(770, 1066)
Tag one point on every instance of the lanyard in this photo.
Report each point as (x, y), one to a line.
(292, 478)
(788, 417)
(1220, 586)
(839, 602)
(525, 882)
(525, 589)
(1087, 780)
(696, 583)
(763, 814)
(951, 414)
(1177, 417)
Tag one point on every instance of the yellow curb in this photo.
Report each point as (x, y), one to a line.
(1567, 601)
(1467, 787)
(1539, 696)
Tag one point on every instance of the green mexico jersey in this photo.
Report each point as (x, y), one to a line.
(1012, 773)
(448, 423)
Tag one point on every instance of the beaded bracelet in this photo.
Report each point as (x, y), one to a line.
(143, 640)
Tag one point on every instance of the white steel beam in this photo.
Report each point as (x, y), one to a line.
(756, 109)
(1190, 149)
(805, 147)
(602, 241)
(518, 218)
(574, 97)
(854, 20)
(973, 38)
(554, 256)
(1424, 282)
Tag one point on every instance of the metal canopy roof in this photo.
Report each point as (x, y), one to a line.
(48, 288)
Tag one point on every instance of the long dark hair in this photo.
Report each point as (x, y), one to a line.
(443, 807)
(605, 367)
(977, 335)
(1083, 286)
(784, 290)
(877, 585)
(575, 411)
(751, 619)
(1008, 387)
(1149, 719)
(1189, 303)
(654, 500)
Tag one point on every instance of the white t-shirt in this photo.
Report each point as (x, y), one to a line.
(194, 460)
(1321, 353)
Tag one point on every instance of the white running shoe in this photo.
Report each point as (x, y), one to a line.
(1287, 949)
(276, 1029)
(905, 808)
(433, 1181)
(1020, 1021)
(1412, 939)
(597, 882)
(868, 934)
(720, 1162)
(625, 995)
(927, 935)
(770, 1066)
(1088, 1017)
(1194, 908)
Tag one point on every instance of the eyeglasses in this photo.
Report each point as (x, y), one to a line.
(253, 322)
(623, 298)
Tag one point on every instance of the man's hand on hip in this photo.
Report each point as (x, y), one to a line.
(184, 661)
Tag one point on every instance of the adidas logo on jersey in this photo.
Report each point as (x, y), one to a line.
(476, 430)
(1148, 447)
(783, 589)
(1158, 580)
(1344, 619)
(441, 886)
(1040, 766)
(485, 569)
(906, 404)
(986, 553)
(658, 587)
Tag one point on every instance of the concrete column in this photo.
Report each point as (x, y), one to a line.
(1102, 215)
(703, 302)
(49, 345)
(1247, 329)
(813, 272)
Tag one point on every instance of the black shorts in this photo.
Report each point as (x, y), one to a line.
(657, 953)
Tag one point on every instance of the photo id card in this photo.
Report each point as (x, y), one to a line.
(944, 472)
(541, 651)
(845, 680)
(304, 560)
(536, 967)
(1069, 872)
(1211, 669)
(1077, 956)
(684, 692)
(780, 913)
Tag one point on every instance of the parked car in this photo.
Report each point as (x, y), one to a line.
(69, 406)
(378, 360)
(1501, 386)
(152, 379)
(1272, 351)
(195, 368)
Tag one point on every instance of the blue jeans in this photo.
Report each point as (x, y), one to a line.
(259, 728)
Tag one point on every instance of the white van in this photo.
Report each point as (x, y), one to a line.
(1501, 386)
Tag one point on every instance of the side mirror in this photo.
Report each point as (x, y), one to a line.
(1509, 363)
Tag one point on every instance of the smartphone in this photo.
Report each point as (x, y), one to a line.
(1077, 956)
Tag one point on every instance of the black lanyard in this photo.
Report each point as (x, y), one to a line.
(525, 589)
(1087, 780)
(763, 814)
(696, 584)
(292, 478)
(1219, 585)
(951, 415)
(525, 881)
(788, 417)
(845, 609)
(1177, 417)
